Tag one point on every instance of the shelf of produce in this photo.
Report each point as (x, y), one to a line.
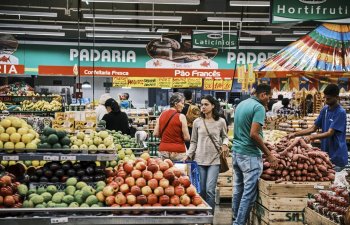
(49, 156)
(106, 215)
(314, 218)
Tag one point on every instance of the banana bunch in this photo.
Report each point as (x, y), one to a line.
(41, 105)
(2, 106)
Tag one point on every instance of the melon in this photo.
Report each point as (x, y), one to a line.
(15, 138)
(2, 129)
(81, 135)
(5, 123)
(9, 145)
(52, 139)
(23, 130)
(4, 137)
(20, 145)
(26, 138)
(103, 134)
(31, 145)
(11, 130)
(17, 123)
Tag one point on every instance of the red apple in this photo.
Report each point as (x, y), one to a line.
(100, 196)
(108, 191)
(158, 160)
(158, 175)
(179, 190)
(175, 200)
(176, 182)
(131, 200)
(177, 172)
(163, 166)
(170, 163)
(128, 167)
(153, 168)
(185, 181)
(146, 190)
(130, 181)
(147, 174)
(141, 182)
(152, 183)
(141, 199)
(140, 160)
(120, 199)
(135, 190)
(169, 175)
(109, 172)
(119, 180)
(136, 174)
(151, 161)
(109, 180)
(124, 188)
(122, 174)
(185, 200)
(164, 183)
(152, 199)
(169, 191)
(110, 200)
(191, 191)
(145, 156)
(197, 200)
(114, 185)
(164, 200)
(159, 191)
(140, 166)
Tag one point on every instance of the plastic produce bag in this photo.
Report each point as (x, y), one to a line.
(340, 179)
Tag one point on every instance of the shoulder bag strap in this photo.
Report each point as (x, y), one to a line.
(166, 125)
(211, 138)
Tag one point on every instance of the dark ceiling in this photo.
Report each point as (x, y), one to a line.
(193, 17)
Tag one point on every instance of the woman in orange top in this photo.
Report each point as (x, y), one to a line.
(172, 128)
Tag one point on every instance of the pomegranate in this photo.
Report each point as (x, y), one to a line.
(164, 200)
(169, 175)
(159, 191)
(153, 168)
(170, 163)
(179, 190)
(124, 188)
(169, 191)
(4, 191)
(151, 161)
(158, 175)
(128, 167)
(191, 191)
(177, 172)
(120, 199)
(119, 180)
(131, 200)
(146, 190)
(141, 182)
(163, 166)
(185, 200)
(185, 181)
(152, 183)
(141, 199)
(176, 182)
(197, 200)
(135, 190)
(147, 174)
(130, 181)
(110, 200)
(175, 200)
(136, 174)
(140, 166)
(164, 183)
(152, 199)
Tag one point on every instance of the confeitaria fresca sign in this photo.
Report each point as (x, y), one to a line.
(337, 11)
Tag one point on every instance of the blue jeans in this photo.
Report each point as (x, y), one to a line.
(208, 179)
(247, 172)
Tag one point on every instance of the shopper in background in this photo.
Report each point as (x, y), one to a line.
(125, 103)
(278, 104)
(191, 111)
(172, 129)
(247, 156)
(309, 105)
(286, 110)
(332, 121)
(116, 119)
(204, 150)
(101, 109)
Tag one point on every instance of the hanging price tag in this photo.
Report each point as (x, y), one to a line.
(227, 84)
(208, 84)
(105, 157)
(59, 220)
(10, 157)
(51, 158)
(68, 158)
(217, 84)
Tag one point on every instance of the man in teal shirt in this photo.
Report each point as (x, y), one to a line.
(247, 146)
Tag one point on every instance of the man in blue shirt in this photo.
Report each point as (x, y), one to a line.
(332, 121)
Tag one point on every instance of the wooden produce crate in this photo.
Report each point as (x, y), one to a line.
(225, 184)
(314, 218)
(284, 203)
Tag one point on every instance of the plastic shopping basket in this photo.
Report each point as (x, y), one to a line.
(193, 173)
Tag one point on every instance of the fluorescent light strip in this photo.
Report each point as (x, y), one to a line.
(125, 29)
(121, 36)
(285, 39)
(298, 32)
(133, 17)
(31, 26)
(250, 3)
(257, 32)
(27, 13)
(247, 38)
(161, 2)
(234, 19)
(35, 33)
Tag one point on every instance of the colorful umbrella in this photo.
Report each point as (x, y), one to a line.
(325, 49)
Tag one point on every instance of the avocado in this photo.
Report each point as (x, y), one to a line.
(43, 180)
(48, 173)
(48, 131)
(64, 178)
(39, 172)
(99, 170)
(71, 172)
(59, 173)
(76, 166)
(43, 138)
(61, 134)
(52, 139)
(55, 166)
(67, 165)
(65, 141)
(80, 172)
(85, 178)
(90, 170)
(54, 179)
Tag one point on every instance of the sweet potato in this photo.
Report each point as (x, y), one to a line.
(304, 172)
(285, 173)
(269, 171)
(305, 166)
(318, 160)
(297, 173)
(267, 164)
(299, 156)
(322, 168)
(266, 176)
(300, 166)
(331, 176)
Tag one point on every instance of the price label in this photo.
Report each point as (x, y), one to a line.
(227, 85)
(105, 157)
(319, 187)
(51, 158)
(208, 84)
(85, 151)
(10, 158)
(68, 157)
(59, 220)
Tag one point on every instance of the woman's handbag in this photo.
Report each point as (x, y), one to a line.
(223, 161)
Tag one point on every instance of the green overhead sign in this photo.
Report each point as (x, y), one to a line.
(210, 39)
(335, 11)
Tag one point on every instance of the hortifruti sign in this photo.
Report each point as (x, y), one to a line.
(336, 11)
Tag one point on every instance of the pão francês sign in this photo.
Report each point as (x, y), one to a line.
(213, 39)
(336, 11)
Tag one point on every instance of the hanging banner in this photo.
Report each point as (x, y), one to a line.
(208, 84)
(180, 83)
(217, 84)
(120, 81)
(227, 85)
(306, 10)
(195, 82)
(213, 39)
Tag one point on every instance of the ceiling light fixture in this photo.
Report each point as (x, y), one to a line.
(121, 36)
(27, 13)
(31, 26)
(237, 20)
(133, 17)
(285, 39)
(250, 3)
(257, 32)
(299, 32)
(127, 29)
(86, 84)
(34, 33)
(247, 38)
(160, 2)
